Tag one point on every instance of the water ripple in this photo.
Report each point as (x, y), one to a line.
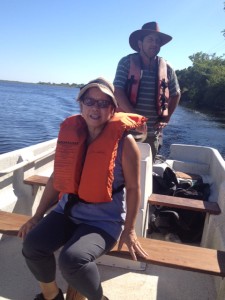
(32, 113)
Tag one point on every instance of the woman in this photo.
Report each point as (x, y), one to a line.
(95, 159)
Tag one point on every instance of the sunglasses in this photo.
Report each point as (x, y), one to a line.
(100, 103)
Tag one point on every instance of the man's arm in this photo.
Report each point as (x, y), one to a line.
(172, 104)
(123, 102)
(120, 82)
(173, 100)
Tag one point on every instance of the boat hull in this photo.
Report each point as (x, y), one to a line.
(133, 280)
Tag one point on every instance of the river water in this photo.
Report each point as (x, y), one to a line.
(194, 128)
(32, 113)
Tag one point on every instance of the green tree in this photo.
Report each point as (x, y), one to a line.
(203, 84)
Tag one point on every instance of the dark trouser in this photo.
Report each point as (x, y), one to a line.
(82, 244)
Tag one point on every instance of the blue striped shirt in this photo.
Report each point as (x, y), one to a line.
(146, 96)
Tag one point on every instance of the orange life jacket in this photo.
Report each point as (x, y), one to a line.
(88, 171)
(162, 91)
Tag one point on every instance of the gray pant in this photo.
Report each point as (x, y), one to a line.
(82, 244)
(153, 141)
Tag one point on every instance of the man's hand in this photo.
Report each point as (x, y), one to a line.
(161, 123)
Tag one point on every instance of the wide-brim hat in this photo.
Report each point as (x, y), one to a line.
(148, 28)
(104, 85)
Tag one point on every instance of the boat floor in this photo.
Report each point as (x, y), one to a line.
(155, 282)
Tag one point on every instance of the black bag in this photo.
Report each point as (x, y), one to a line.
(165, 185)
(187, 224)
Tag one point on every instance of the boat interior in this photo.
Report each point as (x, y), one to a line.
(121, 278)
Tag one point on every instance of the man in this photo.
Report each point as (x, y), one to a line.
(146, 84)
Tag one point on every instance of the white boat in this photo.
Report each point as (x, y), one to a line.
(122, 279)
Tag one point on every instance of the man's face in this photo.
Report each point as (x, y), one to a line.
(150, 46)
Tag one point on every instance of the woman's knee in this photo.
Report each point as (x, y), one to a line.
(34, 247)
(29, 247)
(71, 262)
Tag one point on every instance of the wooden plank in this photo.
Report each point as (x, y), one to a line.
(154, 199)
(37, 179)
(185, 203)
(174, 255)
(179, 256)
(10, 223)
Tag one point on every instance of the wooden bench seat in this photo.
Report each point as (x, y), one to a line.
(10, 223)
(186, 203)
(37, 179)
(154, 199)
(178, 256)
(162, 253)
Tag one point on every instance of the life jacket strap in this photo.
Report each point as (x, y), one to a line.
(74, 199)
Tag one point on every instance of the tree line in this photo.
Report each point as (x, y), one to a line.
(74, 85)
(203, 83)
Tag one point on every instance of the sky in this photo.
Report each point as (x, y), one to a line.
(68, 41)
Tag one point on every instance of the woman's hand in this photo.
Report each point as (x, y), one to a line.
(25, 228)
(48, 199)
(130, 239)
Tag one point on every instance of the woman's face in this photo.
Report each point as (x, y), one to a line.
(96, 108)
